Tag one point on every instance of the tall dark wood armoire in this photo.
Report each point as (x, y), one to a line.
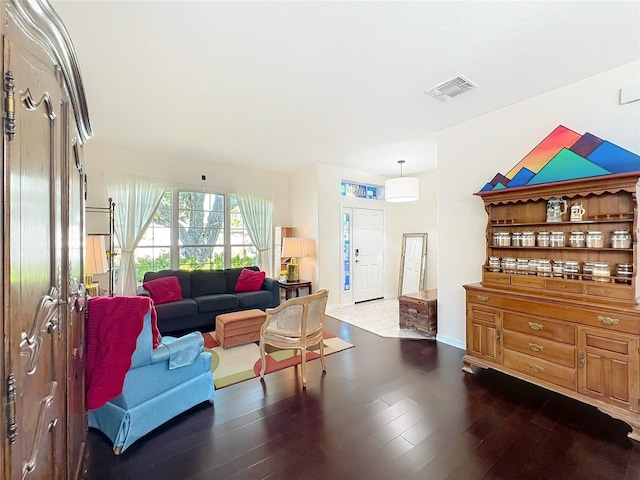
(45, 125)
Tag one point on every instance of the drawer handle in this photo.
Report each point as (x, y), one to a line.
(535, 326)
(608, 320)
(535, 347)
(482, 298)
(536, 368)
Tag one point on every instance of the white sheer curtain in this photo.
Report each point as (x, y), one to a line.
(136, 200)
(257, 212)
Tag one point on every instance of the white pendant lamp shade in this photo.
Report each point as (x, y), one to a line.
(402, 189)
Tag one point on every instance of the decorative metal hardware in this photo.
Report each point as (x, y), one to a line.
(12, 424)
(498, 334)
(535, 347)
(536, 368)
(608, 320)
(46, 320)
(535, 326)
(482, 298)
(9, 106)
(30, 465)
(581, 359)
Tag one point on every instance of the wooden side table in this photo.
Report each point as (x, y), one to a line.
(419, 311)
(294, 285)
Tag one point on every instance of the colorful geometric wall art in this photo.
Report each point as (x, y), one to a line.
(566, 155)
(560, 138)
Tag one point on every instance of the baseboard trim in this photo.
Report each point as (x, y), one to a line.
(451, 341)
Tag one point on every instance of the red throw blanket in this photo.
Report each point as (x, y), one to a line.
(112, 329)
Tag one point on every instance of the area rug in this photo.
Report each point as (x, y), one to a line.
(242, 362)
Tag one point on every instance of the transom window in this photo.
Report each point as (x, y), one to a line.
(194, 231)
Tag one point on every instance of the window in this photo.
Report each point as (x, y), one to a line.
(195, 230)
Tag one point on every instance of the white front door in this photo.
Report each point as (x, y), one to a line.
(368, 254)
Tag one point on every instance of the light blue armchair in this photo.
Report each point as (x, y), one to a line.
(161, 383)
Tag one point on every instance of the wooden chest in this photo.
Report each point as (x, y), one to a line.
(419, 311)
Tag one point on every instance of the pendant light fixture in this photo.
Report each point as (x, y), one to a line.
(401, 189)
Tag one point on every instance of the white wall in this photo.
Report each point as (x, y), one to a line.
(101, 159)
(471, 153)
(303, 198)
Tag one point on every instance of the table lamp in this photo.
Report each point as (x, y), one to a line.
(95, 262)
(293, 247)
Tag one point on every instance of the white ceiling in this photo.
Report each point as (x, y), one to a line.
(280, 85)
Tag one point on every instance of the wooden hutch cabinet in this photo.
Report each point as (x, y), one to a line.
(576, 333)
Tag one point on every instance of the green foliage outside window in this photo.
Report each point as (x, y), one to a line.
(200, 226)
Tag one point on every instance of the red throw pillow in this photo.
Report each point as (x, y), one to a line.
(250, 281)
(164, 290)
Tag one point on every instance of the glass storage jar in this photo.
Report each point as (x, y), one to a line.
(501, 239)
(576, 239)
(624, 272)
(528, 239)
(543, 239)
(509, 265)
(516, 239)
(595, 239)
(621, 239)
(544, 267)
(601, 272)
(587, 271)
(494, 264)
(556, 239)
(572, 269)
(533, 266)
(558, 268)
(522, 266)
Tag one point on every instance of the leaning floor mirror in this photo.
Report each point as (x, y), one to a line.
(413, 263)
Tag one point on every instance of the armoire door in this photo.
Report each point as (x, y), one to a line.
(35, 275)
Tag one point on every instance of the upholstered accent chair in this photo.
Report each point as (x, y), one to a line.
(161, 383)
(297, 324)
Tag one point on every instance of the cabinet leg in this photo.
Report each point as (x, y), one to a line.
(466, 366)
(629, 418)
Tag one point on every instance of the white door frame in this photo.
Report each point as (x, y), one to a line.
(347, 254)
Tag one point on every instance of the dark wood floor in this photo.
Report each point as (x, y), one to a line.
(386, 409)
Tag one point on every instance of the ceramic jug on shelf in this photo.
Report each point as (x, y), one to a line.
(577, 211)
(556, 207)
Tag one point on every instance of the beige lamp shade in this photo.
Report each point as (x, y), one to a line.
(293, 247)
(96, 255)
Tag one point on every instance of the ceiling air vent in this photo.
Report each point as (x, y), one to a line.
(451, 88)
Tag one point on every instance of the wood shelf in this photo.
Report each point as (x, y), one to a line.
(495, 223)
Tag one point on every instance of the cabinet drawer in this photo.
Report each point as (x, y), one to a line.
(485, 316)
(529, 281)
(492, 277)
(553, 352)
(564, 285)
(610, 290)
(611, 321)
(540, 327)
(540, 369)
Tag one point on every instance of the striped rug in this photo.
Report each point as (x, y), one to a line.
(242, 362)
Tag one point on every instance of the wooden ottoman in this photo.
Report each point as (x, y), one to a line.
(419, 311)
(238, 328)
